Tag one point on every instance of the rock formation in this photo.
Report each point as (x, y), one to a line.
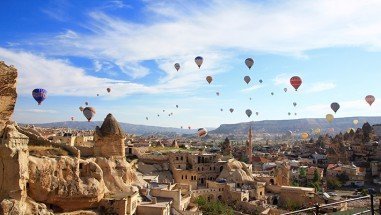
(236, 171)
(8, 95)
(109, 139)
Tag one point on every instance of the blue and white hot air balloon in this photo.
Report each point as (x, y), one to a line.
(39, 95)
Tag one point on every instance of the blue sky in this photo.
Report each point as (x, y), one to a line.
(76, 49)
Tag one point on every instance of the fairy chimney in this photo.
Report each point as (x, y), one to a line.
(109, 139)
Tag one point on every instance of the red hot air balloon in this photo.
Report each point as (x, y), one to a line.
(370, 99)
(296, 81)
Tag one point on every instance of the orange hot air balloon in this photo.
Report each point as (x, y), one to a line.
(370, 99)
(209, 79)
(296, 81)
(304, 136)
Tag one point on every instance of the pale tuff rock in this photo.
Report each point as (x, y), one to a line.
(68, 183)
(109, 139)
(236, 171)
(8, 95)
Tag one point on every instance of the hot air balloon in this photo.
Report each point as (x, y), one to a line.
(370, 99)
(199, 61)
(257, 113)
(355, 121)
(209, 79)
(86, 103)
(202, 132)
(163, 111)
(189, 127)
(285, 89)
(177, 106)
(296, 81)
(260, 81)
(331, 130)
(222, 109)
(294, 103)
(72, 118)
(89, 113)
(304, 135)
(158, 115)
(272, 93)
(169, 114)
(231, 110)
(317, 131)
(329, 118)
(250, 98)
(108, 90)
(81, 108)
(248, 112)
(97, 94)
(335, 106)
(289, 113)
(181, 127)
(295, 114)
(249, 62)
(177, 66)
(146, 118)
(39, 95)
(247, 79)
(217, 93)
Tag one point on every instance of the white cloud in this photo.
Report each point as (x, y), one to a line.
(39, 111)
(252, 88)
(320, 87)
(282, 79)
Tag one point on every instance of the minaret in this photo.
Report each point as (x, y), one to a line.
(249, 149)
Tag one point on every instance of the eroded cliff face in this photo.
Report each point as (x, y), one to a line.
(8, 95)
(65, 183)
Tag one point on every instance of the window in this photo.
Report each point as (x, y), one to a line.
(260, 193)
(186, 176)
(182, 177)
(182, 158)
(177, 158)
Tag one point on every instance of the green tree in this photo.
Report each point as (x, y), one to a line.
(333, 183)
(302, 172)
(316, 176)
(213, 207)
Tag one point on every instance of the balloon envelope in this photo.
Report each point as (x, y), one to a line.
(39, 95)
(89, 113)
(285, 89)
(202, 132)
(329, 118)
(177, 66)
(304, 135)
(108, 90)
(247, 79)
(209, 79)
(199, 60)
(177, 106)
(370, 99)
(294, 104)
(217, 93)
(86, 103)
(355, 121)
(260, 81)
(335, 106)
(249, 62)
(81, 108)
(231, 110)
(296, 81)
(248, 112)
(257, 113)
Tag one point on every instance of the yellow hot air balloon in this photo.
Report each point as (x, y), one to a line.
(304, 136)
(329, 118)
(355, 121)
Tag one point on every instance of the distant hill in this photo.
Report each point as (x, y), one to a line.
(295, 125)
(127, 127)
(266, 126)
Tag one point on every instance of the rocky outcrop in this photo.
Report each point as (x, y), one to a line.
(8, 95)
(65, 183)
(236, 171)
(118, 174)
(109, 139)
